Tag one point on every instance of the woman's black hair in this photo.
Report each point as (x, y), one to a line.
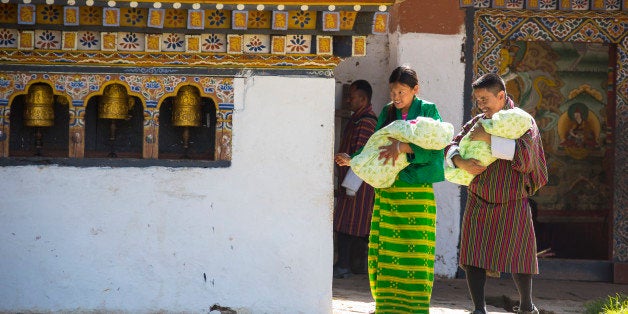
(403, 75)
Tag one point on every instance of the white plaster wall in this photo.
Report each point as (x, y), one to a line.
(373, 67)
(255, 237)
(436, 58)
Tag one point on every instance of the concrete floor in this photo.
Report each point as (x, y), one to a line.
(352, 295)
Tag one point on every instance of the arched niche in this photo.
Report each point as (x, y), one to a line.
(29, 139)
(201, 142)
(117, 130)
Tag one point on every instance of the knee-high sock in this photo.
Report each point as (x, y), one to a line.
(344, 249)
(524, 286)
(476, 280)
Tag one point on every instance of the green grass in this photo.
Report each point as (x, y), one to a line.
(617, 304)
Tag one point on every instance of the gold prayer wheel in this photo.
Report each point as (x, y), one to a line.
(39, 110)
(187, 107)
(115, 103)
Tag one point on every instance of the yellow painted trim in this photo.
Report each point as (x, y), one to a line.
(113, 59)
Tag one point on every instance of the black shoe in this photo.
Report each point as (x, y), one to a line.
(340, 273)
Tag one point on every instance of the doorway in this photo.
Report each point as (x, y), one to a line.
(569, 88)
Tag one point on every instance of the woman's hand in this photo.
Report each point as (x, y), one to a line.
(342, 159)
(392, 151)
(471, 165)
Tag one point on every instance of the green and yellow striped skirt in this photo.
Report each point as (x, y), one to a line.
(401, 248)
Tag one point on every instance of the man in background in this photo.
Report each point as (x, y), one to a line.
(352, 215)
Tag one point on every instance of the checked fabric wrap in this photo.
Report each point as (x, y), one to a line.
(422, 131)
(507, 123)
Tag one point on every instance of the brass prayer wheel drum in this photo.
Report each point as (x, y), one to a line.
(39, 109)
(115, 103)
(187, 107)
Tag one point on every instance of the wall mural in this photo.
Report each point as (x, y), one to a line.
(563, 85)
(563, 80)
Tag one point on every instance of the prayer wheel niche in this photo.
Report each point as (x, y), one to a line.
(39, 111)
(186, 113)
(114, 105)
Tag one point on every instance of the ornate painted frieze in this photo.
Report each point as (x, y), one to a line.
(125, 25)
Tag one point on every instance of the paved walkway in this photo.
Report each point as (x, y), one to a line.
(352, 295)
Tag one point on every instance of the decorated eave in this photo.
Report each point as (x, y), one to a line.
(230, 34)
(545, 5)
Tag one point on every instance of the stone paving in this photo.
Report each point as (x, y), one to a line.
(352, 295)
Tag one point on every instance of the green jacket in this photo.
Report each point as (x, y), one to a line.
(426, 166)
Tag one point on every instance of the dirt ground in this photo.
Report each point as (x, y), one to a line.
(352, 295)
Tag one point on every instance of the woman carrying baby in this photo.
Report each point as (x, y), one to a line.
(403, 227)
(497, 233)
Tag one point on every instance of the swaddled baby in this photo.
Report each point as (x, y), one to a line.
(422, 131)
(507, 123)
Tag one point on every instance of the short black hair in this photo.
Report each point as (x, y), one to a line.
(404, 75)
(491, 82)
(365, 87)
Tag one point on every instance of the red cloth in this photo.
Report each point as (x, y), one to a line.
(497, 231)
(352, 214)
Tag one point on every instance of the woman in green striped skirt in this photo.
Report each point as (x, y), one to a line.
(403, 228)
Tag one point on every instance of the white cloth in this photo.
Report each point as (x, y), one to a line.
(502, 148)
(351, 183)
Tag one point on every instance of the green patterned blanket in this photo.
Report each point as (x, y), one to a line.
(424, 132)
(508, 123)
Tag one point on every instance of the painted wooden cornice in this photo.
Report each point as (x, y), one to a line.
(226, 34)
(316, 5)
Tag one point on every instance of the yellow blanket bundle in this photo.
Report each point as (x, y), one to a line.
(422, 131)
(507, 123)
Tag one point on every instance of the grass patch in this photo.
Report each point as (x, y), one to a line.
(617, 304)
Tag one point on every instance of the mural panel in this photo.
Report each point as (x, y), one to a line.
(563, 85)
(576, 102)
